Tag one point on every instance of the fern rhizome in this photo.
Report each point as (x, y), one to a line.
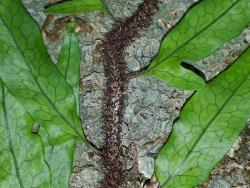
(123, 33)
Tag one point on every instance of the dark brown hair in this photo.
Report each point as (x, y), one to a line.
(122, 35)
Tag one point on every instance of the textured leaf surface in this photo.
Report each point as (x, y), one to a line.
(32, 78)
(208, 126)
(21, 153)
(69, 60)
(61, 169)
(202, 30)
(76, 6)
(69, 65)
(60, 160)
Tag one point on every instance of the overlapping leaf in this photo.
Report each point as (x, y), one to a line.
(28, 160)
(59, 157)
(22, 161)
(69, 65)
(202, 30)
(76, 6)
(208, 126)
(32, 78)
(69, 60)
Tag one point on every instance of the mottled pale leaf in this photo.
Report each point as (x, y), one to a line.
(69, 60)
(31, 77)
(76, 6)
(208, 126)
(202, 30)
(61, 169)
(22, 162)
(59, 158)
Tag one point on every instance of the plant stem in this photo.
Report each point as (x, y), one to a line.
(115, 43)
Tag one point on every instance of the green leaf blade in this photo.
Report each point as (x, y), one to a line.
(208, 25)
(22, 160)
(69, 60)
(177, 76)
(61, 168)
(69, 66)
(208, 126)
(76, 6)
(31, 77)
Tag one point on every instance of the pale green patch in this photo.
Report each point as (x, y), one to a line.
(22, 161)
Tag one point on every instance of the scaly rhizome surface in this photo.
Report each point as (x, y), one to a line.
(150, 105)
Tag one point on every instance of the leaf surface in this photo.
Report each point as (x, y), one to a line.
(76, 6)
(69, 60)
(69, 66)
(208, 25)
(22, 161)
(59, 158)
(208, 126)
(31, 77)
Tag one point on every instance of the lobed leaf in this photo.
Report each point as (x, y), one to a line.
(69, 60)
(31, 77)
(208, 25)
(208, 126)
(76, 6)
(22, 161)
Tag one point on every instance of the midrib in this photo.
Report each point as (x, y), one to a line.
(11, 149)
(39, 86)
(207, 126)
(194, 36)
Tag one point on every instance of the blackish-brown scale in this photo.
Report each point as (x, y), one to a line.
(122, 35)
